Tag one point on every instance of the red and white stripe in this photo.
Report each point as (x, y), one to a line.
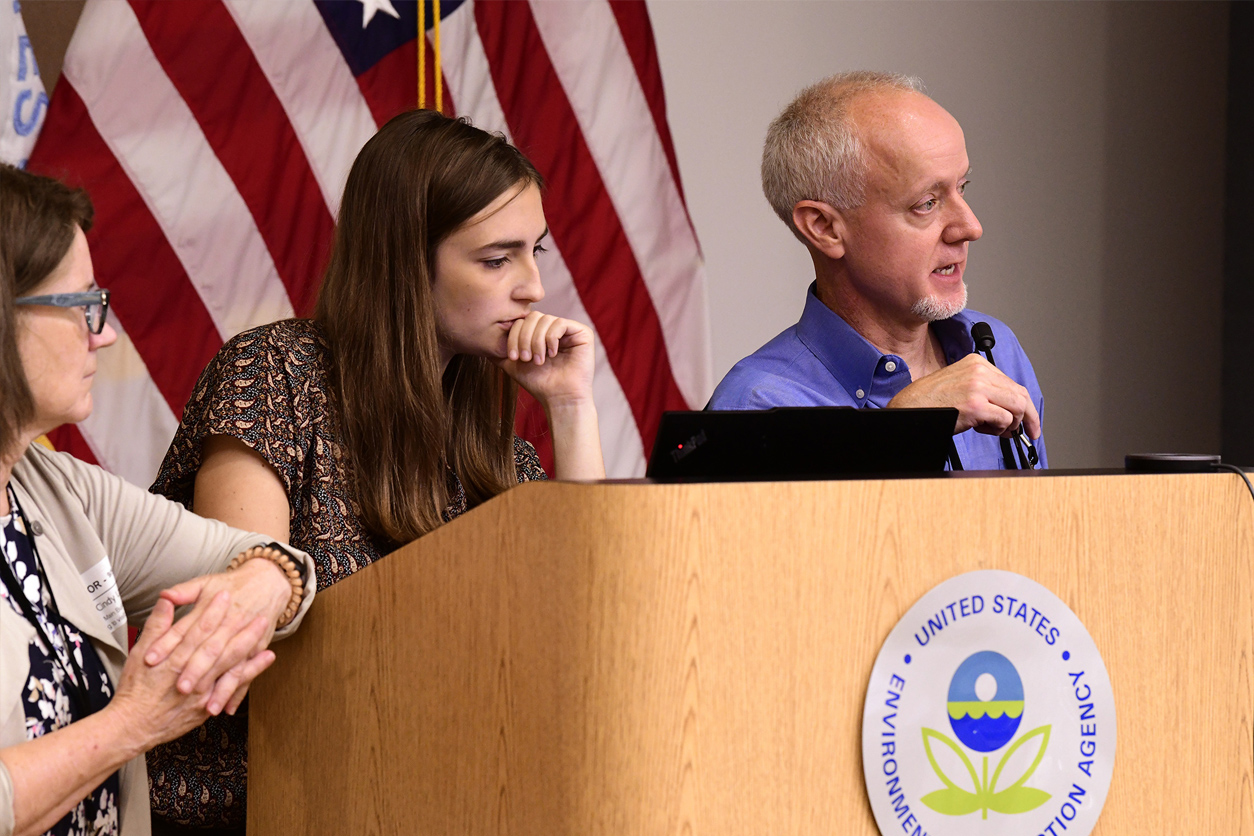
(215, 138)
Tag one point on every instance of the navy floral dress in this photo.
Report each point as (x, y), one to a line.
(47, 697)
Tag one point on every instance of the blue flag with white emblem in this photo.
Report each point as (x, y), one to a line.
(23, 101)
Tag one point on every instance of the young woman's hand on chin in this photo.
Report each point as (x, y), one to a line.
(553, 359)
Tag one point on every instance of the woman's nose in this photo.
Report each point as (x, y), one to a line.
(107, 337)
(530, 289)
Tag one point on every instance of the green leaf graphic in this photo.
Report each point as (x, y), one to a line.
(1043, 733)
(956, 801)
(952, 802)
(1017, 800)
(928, 736)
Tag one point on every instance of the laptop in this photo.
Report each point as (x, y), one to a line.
(807, 442)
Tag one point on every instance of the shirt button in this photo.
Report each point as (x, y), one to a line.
(890, 366)
(860, 393)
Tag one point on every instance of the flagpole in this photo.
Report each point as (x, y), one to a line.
(422, 53)
(439, 88)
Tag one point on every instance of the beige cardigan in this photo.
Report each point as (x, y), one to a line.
(88, 516)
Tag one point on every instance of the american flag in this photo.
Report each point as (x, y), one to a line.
(215, 137)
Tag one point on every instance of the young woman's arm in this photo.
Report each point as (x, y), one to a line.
(237, 486)
(576, 440)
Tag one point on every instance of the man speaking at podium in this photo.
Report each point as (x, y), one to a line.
(870, 175)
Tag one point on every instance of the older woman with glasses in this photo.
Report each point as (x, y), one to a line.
(83, 554)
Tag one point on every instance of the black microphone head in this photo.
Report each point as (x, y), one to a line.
(983, 336)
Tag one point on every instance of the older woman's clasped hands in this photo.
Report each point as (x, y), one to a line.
(222, 642)
(166, 693)
(160, 695)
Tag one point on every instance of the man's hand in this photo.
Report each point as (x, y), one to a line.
(986, 399)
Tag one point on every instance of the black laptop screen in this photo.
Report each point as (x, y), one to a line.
(800, 443)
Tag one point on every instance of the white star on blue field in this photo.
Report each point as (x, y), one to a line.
(369, 7)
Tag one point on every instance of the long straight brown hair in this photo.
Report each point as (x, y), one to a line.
(38, 216)
(419, 179)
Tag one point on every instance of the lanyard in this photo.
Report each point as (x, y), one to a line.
(1007, 455)
(76, 680)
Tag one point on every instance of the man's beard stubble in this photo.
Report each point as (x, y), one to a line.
(931, 309)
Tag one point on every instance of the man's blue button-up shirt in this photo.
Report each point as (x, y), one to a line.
(822, 361)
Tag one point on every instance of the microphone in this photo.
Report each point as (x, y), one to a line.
(984, 339)
(982, 335)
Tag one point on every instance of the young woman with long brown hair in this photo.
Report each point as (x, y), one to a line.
(392, 410)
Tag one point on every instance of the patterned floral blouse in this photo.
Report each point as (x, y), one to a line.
(268, 387)
(47, 695)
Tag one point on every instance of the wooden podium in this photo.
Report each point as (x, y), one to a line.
(692, 659)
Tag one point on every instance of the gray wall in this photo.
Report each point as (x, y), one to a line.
(1096, 136)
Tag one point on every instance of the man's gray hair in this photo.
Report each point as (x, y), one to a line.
(812, 149)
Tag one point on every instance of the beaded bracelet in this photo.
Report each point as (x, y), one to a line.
(276, 555)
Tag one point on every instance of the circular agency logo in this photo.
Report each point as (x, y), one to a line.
(989, 710)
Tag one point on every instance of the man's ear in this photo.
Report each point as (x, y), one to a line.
(822, 225)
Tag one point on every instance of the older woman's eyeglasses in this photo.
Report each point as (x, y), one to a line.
(95, 303)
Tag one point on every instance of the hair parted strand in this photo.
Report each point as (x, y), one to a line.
(812, 149)
(38, 218)
(419, 179)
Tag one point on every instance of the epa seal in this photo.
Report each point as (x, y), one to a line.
(989, 710)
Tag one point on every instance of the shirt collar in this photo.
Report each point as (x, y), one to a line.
(955, 336)
(854, 361)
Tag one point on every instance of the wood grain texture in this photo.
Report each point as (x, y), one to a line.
(668, 659)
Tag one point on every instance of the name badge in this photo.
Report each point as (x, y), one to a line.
(103, 589)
